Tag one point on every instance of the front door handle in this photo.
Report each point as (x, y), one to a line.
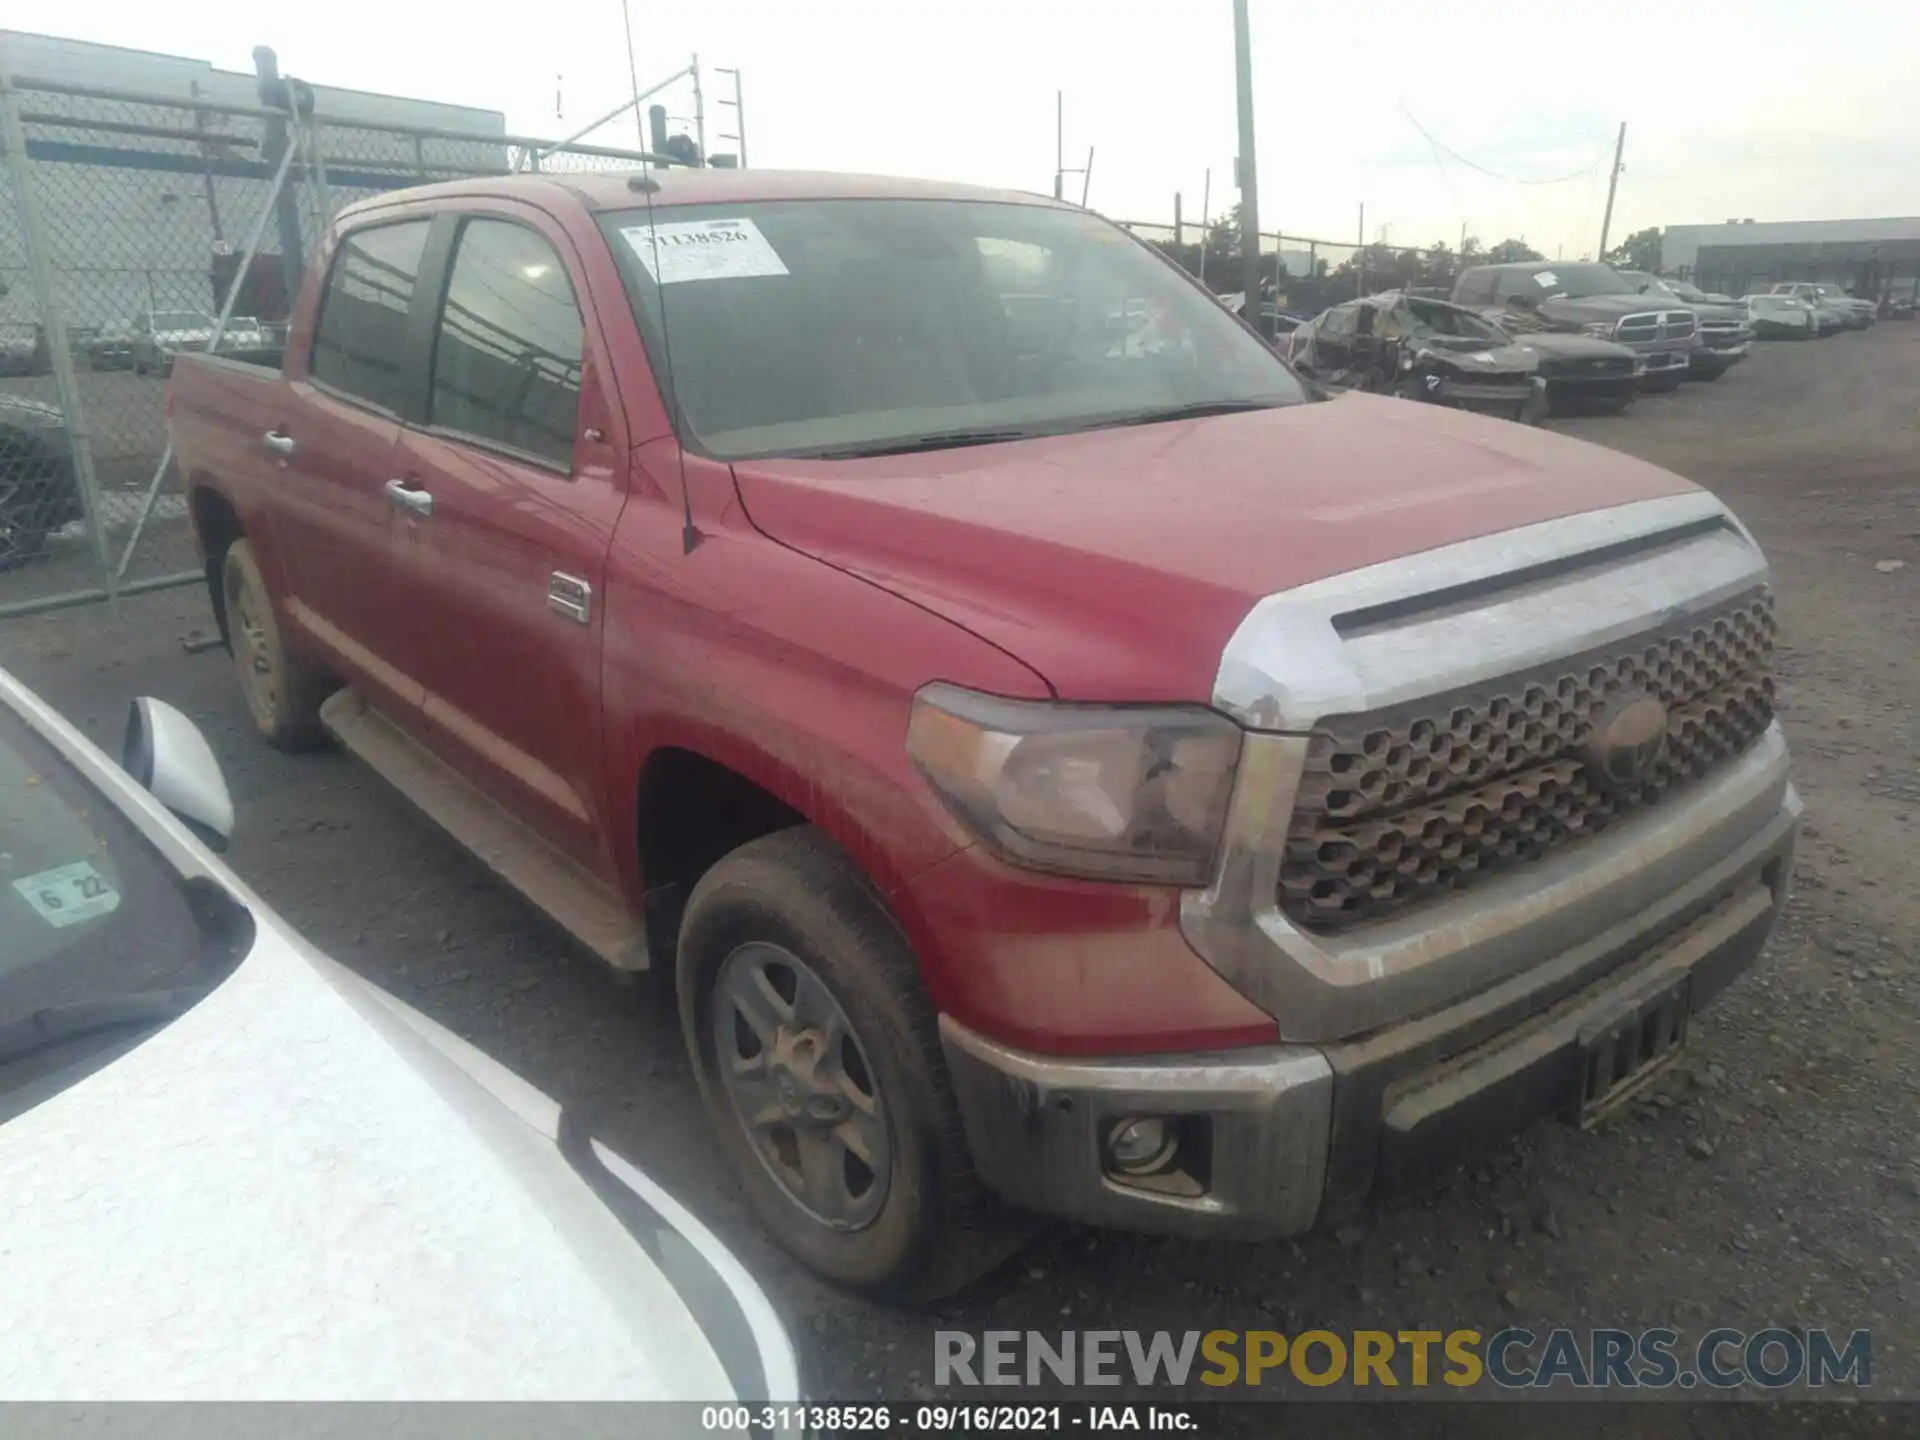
(419, 502)
(279, 442)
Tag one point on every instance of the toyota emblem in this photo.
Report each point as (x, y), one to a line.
(1629, 734)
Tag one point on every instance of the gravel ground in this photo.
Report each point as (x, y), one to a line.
(1775, 1179)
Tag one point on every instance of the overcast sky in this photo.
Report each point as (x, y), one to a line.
(1734, 108)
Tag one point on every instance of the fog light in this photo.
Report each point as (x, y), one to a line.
(1141, 1146)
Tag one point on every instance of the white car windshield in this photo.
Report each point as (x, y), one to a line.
(182, 320)
(101, 941)
(845, 327)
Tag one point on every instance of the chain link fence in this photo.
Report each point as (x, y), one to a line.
(134, 227)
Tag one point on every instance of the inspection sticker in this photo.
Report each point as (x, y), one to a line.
(69, 895)
(703, 250)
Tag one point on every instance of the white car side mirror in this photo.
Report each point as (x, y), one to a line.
(166, 753)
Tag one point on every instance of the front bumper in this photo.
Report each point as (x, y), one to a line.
(1715, 354)
(1277, 1140)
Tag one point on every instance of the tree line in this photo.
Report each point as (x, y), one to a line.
(1385, 267)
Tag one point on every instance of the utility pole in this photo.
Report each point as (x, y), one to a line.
(1247, 167)
(1360, 257)
(1059, 144)
(699, 111)
(739, 137)
(1086, 178)
(1613, 183)
(1206, 220)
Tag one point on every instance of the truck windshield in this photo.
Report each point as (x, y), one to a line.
(99, 945)
(859, 326)
(1576, 282)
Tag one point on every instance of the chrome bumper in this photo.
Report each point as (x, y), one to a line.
(1277, 1140)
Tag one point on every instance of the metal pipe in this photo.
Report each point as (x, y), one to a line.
(1206, 220)
(548, 147)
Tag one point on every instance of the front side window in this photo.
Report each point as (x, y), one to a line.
(359, 344)
(507, 352)
(840, 327)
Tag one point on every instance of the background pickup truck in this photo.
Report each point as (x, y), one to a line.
(1060, 773)
(1585, 298)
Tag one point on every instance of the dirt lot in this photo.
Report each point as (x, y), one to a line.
(1775, 1180)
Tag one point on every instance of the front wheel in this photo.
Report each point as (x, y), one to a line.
(818, 1056)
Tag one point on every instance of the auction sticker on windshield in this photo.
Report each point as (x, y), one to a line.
(703, 250)
(69, 894)
(1546, 278)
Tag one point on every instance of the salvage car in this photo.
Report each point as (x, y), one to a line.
(1585, 298)
(1782, 317)
(232, 1169)
(1062, 779)
(24, 349)
(1859, 313)
(160, 335)
(1725, 336)
(37, 492)
(1429, 350)
(110, 348)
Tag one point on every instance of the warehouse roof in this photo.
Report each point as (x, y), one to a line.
(1679, 244)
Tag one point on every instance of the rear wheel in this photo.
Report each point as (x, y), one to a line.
(283, 695)
(819, 1060)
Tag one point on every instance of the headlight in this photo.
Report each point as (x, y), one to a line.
(1601, 329)
(1107, 792)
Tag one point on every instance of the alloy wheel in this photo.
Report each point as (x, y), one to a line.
(801, 1086)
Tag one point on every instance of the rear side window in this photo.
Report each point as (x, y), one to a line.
(359, 344)
(1475, 288)
(506, 358)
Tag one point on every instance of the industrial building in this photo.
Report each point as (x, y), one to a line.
(149, 171)
(1871, 258)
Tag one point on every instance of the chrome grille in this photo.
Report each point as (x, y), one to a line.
(1400, 806)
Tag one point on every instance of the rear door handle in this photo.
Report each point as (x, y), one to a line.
(419, 502)
(279, 442)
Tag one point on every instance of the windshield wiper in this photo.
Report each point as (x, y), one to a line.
(1199, 410)
(62, 1024)
(938, 440)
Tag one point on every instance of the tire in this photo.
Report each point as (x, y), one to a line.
(793, 904)
(1663, 384)
(36, 498)
(283, 695)
(1713, 374)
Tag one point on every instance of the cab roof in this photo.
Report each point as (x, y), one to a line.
(611, 190)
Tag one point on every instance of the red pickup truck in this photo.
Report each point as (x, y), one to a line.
(1067, 764)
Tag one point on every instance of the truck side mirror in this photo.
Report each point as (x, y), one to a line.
(166, 753)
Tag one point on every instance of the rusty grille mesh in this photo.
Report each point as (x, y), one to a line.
(1402, 805)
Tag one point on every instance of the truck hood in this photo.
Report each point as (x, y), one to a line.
(1117, 563)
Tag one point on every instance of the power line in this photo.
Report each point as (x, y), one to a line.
(1441, 147)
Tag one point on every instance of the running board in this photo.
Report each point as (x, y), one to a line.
(579, 903)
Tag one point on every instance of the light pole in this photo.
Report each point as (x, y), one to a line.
(1246, 167)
